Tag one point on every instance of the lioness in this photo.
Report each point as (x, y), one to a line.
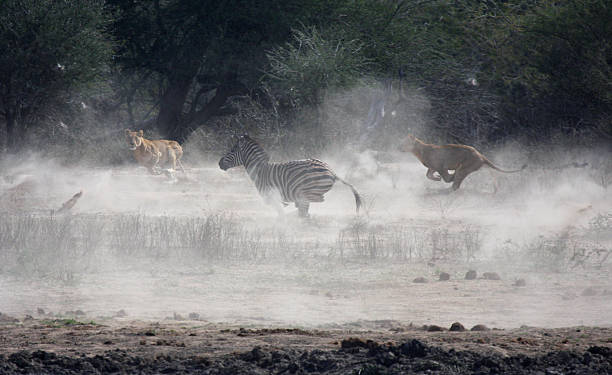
(154, 154)
(460, 158)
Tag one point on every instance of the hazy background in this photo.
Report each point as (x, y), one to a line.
(524, 82)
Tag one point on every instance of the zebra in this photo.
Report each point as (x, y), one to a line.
(298, 181)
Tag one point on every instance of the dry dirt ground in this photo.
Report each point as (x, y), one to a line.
(323, 301)
(37, 346)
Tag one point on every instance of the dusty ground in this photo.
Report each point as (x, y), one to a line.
(383, 347)
(289, 310)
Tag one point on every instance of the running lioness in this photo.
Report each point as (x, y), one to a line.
(154, 154)
(460, 158)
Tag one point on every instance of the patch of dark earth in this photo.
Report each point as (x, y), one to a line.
(355, 356)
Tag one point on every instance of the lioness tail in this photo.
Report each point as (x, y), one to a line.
(490, 164)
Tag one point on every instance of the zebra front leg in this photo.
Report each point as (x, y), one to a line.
(271, 200)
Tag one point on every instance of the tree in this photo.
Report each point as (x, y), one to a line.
(47, 48)
(199, 53)
(312, 62)
(556, 71)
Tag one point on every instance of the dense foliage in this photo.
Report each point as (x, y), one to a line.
(488, 70)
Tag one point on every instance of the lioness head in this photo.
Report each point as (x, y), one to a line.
(408, 143)
(134, 139)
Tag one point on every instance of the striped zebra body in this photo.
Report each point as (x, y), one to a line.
(298, 181)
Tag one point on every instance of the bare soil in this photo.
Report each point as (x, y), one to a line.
(383, 347)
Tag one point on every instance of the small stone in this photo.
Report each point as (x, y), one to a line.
(40, 311)
(480, 327)
(491, 276)
(120, 314)
(79, 312)
(444, 276)
(420, 280)
(7, 319)
(194, 316)
(520, 282)
(353, 342)
(434, 328)
(457, 327)
(471, 275)
(178, 317)
(588, 292)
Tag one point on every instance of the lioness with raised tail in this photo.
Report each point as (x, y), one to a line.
(153, 154)
(460, 158)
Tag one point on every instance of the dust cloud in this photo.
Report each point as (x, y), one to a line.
(206, 247)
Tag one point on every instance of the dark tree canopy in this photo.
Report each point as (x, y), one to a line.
(488, 69)
(47, 48)
(202, 52)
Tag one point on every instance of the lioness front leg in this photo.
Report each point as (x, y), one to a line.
(156, 166)
(431, 176)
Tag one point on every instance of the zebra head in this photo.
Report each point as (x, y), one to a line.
(235, 157)
(245, 152)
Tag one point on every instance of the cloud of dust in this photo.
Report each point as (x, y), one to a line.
(316, 285)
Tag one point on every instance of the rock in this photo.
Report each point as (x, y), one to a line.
(414, 348)
(7, 319)
(194, 316)
(40, 311)
(434, 328)
(520, 282)
(444, 276)
(457, 327)
(178, 317)
(480, 327)
(120, 314)
(588, 292)
(471, 275)
(356, 342)
(420, 280)
(491, 276)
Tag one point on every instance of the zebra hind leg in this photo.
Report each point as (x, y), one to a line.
(303, 209)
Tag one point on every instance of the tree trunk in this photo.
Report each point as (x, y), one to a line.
(11, 141)
(213, 107)
(169, 119)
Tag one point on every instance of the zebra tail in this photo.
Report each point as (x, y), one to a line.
(355, 193)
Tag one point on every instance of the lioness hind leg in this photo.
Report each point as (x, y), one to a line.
(460, 174)
(447, 176)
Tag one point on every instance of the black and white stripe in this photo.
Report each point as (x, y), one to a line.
(298, 181)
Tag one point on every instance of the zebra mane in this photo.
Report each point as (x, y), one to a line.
(258, 150)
